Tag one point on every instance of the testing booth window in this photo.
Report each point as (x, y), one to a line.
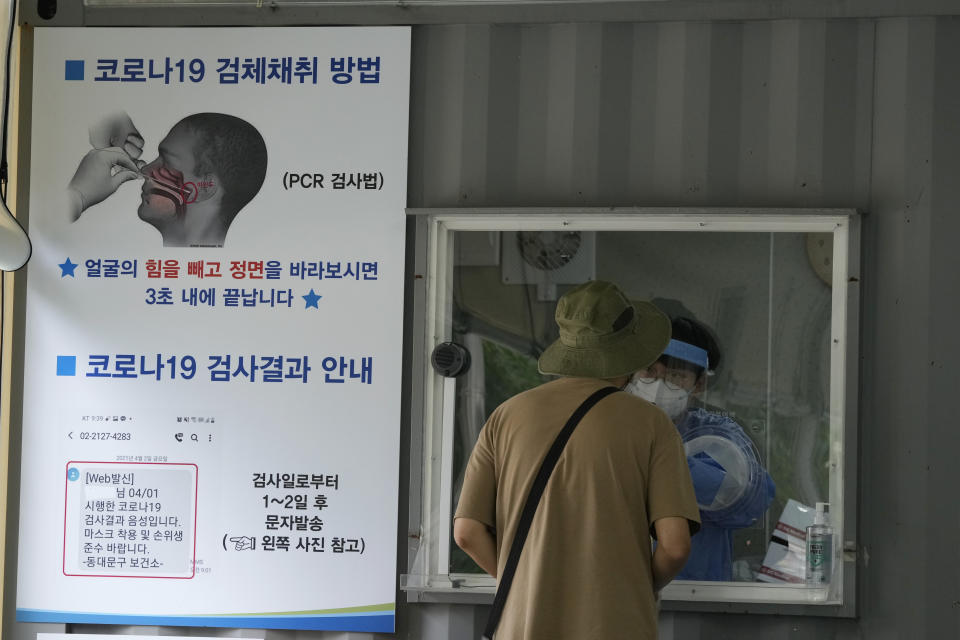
(770, 299)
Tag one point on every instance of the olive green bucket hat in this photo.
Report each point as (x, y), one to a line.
(603, 335)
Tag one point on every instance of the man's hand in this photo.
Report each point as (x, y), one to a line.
(101, 172)
(117, 130)
(242, 543)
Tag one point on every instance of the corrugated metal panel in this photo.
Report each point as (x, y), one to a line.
(941, 568)
(374, 12)
(785, 113)
(649, 114)
(911, 469)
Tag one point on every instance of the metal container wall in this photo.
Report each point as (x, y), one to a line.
(805, 113)
(811, 113)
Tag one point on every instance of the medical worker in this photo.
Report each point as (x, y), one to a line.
(732, 487)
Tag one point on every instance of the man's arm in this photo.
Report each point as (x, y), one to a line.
(475, 538)
(673, 549)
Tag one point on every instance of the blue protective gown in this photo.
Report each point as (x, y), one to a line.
(712, 547)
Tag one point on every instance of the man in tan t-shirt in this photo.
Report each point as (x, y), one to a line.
(587, 570)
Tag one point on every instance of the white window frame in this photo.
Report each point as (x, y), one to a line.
(431, 466)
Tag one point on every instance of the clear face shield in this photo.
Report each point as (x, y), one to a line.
(670, 381)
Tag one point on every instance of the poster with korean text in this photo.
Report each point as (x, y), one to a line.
(213, 333)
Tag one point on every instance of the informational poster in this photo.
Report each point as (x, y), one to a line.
(213, 328)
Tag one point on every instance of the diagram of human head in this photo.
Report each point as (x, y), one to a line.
(208, 167)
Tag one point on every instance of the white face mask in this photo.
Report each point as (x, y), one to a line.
(673, 402)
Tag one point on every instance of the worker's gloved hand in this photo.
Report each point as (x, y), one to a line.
(707, 475)
(117, 130)
(101, 172)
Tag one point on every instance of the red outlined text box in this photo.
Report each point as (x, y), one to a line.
(67, 481)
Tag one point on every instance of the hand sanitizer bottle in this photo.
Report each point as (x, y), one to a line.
(820, 548)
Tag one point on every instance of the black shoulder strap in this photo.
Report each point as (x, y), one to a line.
(530, 507)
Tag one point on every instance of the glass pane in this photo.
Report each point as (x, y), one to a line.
(759, 297)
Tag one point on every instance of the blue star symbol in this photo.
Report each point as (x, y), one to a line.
(311, 299)
(66, 269)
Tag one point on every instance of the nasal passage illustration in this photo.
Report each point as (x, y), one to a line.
(208, 167)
